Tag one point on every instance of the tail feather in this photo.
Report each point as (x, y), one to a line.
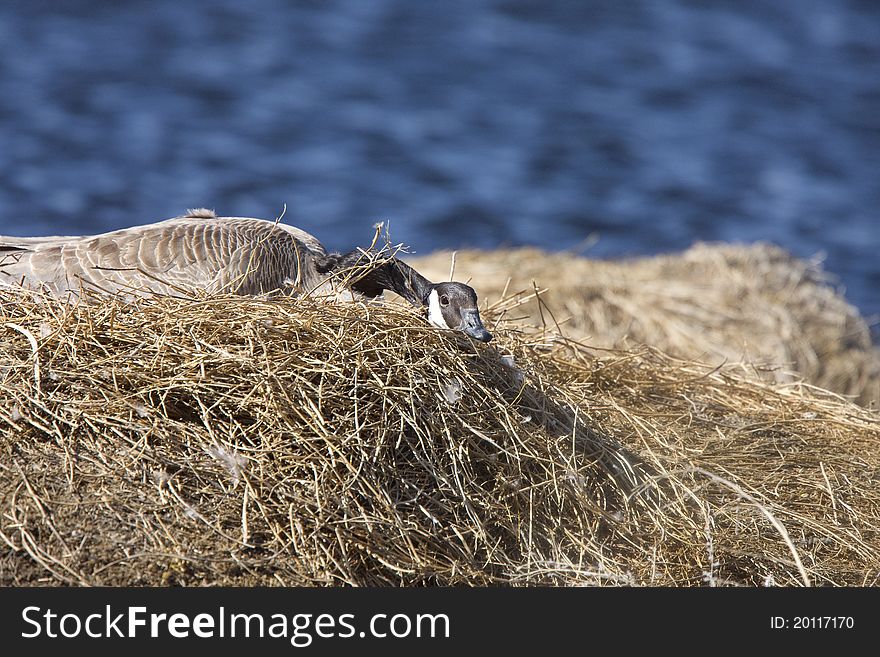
(11, 243)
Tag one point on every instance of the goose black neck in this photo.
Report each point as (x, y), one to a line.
(392, 274)
(407, 282)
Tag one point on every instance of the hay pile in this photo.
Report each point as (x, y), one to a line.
(713, 303)
(246, 442)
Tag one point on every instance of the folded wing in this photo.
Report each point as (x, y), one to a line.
(175, 257)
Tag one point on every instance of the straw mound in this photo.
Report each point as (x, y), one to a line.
(239, 441)
(713, 303)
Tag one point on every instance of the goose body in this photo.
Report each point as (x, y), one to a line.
(197, 251)
(200, 251)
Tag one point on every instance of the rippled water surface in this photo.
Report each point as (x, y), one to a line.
(648, 125)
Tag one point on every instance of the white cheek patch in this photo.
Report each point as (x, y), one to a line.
(435, 315)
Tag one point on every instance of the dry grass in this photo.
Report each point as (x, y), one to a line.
(248, 442)
(713, 303)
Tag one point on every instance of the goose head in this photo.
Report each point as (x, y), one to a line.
(454, 306)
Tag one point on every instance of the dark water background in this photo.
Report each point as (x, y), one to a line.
(500, 122)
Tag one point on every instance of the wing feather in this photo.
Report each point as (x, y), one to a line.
(248, 256)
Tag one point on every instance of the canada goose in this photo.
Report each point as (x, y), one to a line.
(245, 256)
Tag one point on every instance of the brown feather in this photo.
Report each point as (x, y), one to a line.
(196, 252)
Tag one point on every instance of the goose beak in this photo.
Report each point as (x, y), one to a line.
(473, 326)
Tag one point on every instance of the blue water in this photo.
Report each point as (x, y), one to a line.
(648, 125)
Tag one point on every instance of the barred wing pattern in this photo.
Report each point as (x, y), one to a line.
(173, 257)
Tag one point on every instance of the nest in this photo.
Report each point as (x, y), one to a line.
(240, 441)
(716, 303)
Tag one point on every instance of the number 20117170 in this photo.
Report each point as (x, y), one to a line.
(812, 622)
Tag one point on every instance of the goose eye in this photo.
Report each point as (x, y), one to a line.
(444, 300)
